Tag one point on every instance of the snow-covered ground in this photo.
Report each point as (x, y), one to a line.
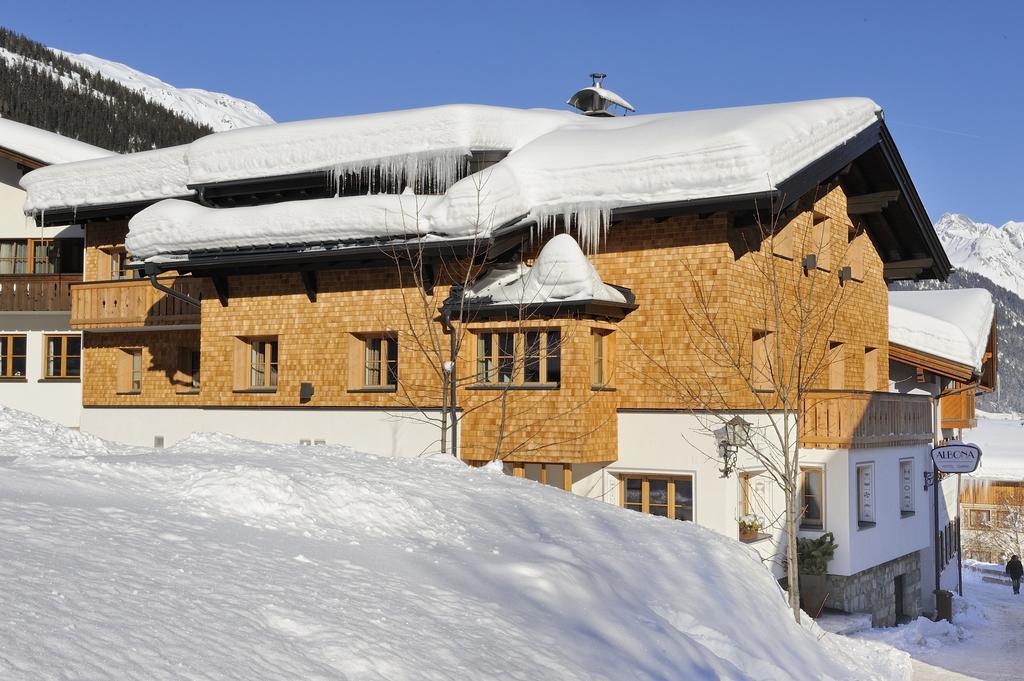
(226, 559)
(985, 640)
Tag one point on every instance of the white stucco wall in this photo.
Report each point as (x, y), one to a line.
(367, 430)
(59, 401)
(13, 222)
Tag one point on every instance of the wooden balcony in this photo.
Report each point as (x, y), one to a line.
(133, 304)
(836, 419)
(958, 408)
(36, 292)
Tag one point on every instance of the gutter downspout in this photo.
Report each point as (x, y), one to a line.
(151, 270)
(446, 323)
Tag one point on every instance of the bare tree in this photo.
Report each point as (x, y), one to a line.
(766, 360)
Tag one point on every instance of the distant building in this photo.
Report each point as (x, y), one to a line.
(40, 355)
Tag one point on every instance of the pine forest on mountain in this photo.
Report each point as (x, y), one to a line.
(93, 109)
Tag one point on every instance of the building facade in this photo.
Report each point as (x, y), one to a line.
(40, 355)
(609, 369)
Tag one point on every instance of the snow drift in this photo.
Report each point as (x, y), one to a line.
(222, 558)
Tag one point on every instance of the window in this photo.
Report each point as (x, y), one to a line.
(670, 497)
(855, 255)
(981, 518)
(119, 264)
(41, 256)
(821, 240)
(761, 363)
(866, 494)
(187, 378)
(263, 364)
(12, 356)
(812, 498)
(531, 357)
(836, 366)
(129, 371)
(14, 257)
(63, 356)
(907, 487)
(871, 356)
(380, 361)
(782, 242)
(602, 358)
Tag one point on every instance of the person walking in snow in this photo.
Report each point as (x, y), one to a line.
(1015, 571)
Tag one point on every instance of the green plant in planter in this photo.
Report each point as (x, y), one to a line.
(750, 523)
(814, 555)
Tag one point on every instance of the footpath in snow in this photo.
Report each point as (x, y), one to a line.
(226, 559)
(985, 641)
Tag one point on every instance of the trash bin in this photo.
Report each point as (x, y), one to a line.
(944, 605)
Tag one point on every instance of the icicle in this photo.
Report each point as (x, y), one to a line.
(589, 223)
(431, 172)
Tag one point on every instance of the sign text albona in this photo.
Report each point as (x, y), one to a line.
(956, 457)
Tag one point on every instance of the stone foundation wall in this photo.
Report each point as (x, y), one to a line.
(874, 590)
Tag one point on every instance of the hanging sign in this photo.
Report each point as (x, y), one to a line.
(957, 457)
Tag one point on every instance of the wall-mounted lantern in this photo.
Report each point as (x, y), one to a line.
(736, 435)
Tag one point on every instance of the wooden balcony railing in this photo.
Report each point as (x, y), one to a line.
(836, 419)
(36, 292)
(958, 409)
(133, 304)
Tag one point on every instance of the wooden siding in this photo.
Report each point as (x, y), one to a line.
(655, 348)
(37, 292)
(958, 408)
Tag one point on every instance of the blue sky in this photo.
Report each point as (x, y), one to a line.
(948, 75)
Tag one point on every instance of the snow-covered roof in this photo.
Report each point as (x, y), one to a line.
(143, 176)
(45, 146)
(561, 273)
(951, 324)
(999, 436)
(560, 164)
(163, 227)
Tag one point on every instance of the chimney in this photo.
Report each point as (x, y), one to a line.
(595, 100)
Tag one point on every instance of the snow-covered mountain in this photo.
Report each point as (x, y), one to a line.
(994, 252)
(215, 109)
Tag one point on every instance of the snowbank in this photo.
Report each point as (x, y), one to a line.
(560, 165)
(45, 146)
(954, 325)
(561, 273)
(222, 558)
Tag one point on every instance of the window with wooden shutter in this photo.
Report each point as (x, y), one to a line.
(256, 364)
(871, 361)
(762, 348)
(129, 371)
(373, 362)
(836, 365)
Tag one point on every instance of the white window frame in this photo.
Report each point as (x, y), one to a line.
(908, 500)
(866, 494)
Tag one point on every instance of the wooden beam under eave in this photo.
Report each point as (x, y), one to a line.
(519, 470)
(906, 269)
(567, 477)
(309, 282)
(220, 285)
(866, 204)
